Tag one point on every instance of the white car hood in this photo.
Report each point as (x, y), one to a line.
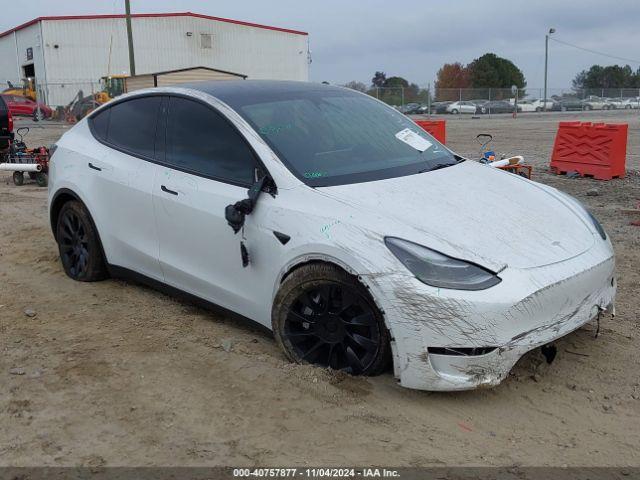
(476, 213)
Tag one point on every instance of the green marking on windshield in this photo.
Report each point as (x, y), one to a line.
(315, 174)
(275, 129)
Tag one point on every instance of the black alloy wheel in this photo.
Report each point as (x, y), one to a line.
(331, 322)
(74, 244)
(78, 244)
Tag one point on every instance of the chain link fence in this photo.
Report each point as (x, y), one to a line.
(53, 100)
(71, 101)
(505, 100)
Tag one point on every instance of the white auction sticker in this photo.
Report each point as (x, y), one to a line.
(414, 140)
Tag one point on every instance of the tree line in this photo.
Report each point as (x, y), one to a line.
(612, 76)
(393, 90)
(488, 71)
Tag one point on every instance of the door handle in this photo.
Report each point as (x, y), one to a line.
(165, 189)
(91, 165)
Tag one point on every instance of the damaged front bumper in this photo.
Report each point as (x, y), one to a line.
(438, 333)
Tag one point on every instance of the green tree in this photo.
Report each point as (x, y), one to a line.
(394, 90)
(378, 79)
(612, 76)
(492, 71)
(354, 85)
(395, 82)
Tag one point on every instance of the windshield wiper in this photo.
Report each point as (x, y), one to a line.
(438, 166)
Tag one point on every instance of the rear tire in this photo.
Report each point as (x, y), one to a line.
(18, 179)
(324, 316)
(79, 245)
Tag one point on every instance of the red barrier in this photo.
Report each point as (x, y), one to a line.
(593, 149)
(437, 128)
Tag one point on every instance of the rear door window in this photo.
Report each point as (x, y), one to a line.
(132, 125)
(203, 142)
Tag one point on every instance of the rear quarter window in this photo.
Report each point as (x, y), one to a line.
(129, 126)
(100, 124)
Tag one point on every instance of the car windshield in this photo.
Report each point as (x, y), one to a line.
(332, 136)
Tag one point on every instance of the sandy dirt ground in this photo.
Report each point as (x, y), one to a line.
(114, 373)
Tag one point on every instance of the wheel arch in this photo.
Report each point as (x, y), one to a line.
(322, 259)
(61, 197)
(58, 200)
(303, 261)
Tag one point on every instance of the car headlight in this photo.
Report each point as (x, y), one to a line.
(439, 270)
(582, 207)
(596, 224)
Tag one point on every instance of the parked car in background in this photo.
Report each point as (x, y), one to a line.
(408, 108)
(416, 109)
(613, 104)
(596, 103)
(25, 107)
(440, 107)
(6, 125)
(539, 105)
(359, 245)
(567, 104)
(632, 102)
(496, 106)
(526, 106)
(461, 107)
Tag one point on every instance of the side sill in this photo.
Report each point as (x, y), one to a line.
(131, 275)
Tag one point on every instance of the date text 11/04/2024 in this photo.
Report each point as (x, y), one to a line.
(316, 473)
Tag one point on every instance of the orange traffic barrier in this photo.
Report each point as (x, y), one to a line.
(598, 150)
(437, 128)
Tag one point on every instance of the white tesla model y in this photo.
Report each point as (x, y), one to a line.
(333, 219)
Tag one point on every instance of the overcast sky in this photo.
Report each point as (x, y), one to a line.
(351, 40)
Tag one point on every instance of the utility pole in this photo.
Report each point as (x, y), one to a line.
(132, 60)
(546, 61)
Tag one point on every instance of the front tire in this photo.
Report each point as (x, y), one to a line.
(79, 244)
(324, 316)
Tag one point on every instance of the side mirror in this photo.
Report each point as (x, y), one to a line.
(235, 214)
(235, 217)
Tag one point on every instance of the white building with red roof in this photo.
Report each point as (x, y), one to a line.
(71, 51)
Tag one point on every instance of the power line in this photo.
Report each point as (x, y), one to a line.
(594, 51)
